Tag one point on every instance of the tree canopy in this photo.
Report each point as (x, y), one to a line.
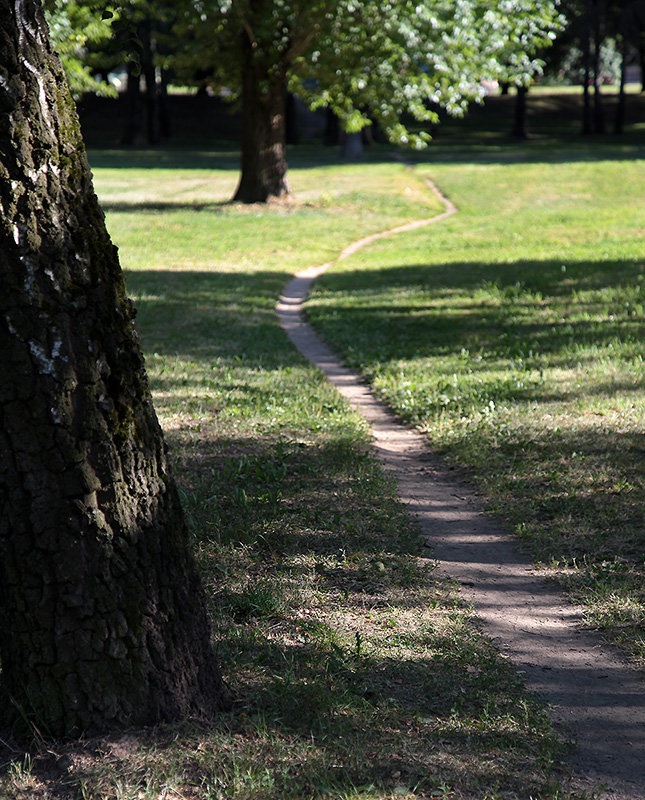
(75, 27)
(373, 60)
(364, 59)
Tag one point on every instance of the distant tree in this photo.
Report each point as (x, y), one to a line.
(520, 117)
(628, 24)
(143, 37)
(587, 118)
(598, 31)
(615, 29)
(362, 59)
(96, 37)
(102, 617)
(600, 40)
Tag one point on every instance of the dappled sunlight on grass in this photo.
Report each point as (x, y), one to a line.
(520, 355)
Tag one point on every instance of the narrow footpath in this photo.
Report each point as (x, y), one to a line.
(597, 697)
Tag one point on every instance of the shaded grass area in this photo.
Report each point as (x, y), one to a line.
(554, 122)
(356, 673)
(513, 336)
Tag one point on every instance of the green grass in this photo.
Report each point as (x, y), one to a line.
(357, 673)
(512, 335)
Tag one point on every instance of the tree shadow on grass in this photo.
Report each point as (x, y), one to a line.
(226, 157)
(497, 150)
(476, 350)
(211, 315)
(521, 310)
(226, 322)
(319, 709)
(156, 207)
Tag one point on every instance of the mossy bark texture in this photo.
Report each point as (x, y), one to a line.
(102, 619)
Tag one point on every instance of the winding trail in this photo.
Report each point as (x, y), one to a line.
(597, 697)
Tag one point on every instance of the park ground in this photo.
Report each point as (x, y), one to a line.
(510, 334)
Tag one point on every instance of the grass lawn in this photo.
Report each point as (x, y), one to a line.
(357, 673)
(513, 335)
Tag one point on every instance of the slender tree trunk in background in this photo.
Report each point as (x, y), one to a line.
(587, 119)
(368, 135)
(292, 130)
(133, 129)
(264, 159)
(520, 124)
(373, 134)
(149, 70)
(102, 617)
(598, 109)
(621, 107)
(165, 123)
(332, 129)
(156, 79)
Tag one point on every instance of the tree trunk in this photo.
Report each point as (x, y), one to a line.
(102, 618)
(165, 124)
(598, 108)
(149, 70)
(292, 128)
(621, 107)
(368, 135)
(587, 121)
(133, 129)
(264, 160)
(332, 129)
(520, 121)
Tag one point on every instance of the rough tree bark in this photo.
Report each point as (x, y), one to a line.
(263, 160)
(102, 619)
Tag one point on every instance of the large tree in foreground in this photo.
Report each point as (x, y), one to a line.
(102, 619)
(363, 59)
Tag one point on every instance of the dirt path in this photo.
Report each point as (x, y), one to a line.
(591, 691)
